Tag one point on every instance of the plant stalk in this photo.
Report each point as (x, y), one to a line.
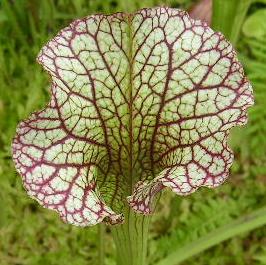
(228, 17)
(101, 248)
(131, 238)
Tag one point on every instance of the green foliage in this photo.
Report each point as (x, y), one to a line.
(251, 142)
(202, 213)
(228, 17)
(30, 235)
(260, 257)
(250, 27)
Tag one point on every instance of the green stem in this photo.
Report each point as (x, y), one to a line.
(101, 247)
(243, 224)
(131, 239)
(228, 17)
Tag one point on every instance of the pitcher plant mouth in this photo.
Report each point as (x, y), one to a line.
(139, 102)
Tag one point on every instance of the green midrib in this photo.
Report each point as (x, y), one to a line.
(130, 87)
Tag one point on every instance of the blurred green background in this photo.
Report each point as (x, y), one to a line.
(31, 235)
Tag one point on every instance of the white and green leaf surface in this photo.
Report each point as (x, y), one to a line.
(139, 102)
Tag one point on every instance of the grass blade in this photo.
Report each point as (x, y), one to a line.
(241, 225)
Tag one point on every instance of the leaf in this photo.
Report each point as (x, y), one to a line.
(139, 102)
(251, 28)
(245, 223)
(261, 256)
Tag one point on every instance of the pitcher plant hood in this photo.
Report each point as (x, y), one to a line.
(139, 102)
